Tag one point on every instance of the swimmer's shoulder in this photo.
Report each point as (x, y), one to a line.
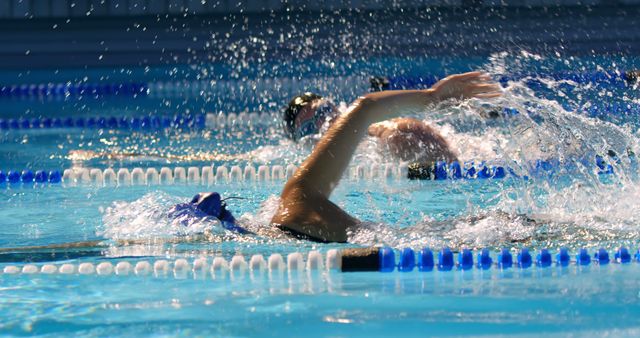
(312, 215)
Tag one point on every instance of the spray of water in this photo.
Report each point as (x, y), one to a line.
(567, 203)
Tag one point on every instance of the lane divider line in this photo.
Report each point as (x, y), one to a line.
(381, 259)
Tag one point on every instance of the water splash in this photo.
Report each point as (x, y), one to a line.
(566, 204)
(151, 219)
(148, 217)
(569, 204)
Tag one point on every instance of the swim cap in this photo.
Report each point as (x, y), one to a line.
(379, 83)
(420, 171)
(300, 122)
(212, 204)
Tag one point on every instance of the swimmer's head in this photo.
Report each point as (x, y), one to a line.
(212, 204)
(420, 171)
(306, 114)
(632, 76)
(379, 83)
(208, 202)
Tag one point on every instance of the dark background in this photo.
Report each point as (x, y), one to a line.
(93, 33)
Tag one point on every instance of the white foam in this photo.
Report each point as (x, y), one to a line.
(149, 217)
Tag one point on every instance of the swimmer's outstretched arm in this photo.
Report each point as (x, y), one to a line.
(305, 207)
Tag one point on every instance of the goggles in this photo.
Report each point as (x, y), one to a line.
(309, 122)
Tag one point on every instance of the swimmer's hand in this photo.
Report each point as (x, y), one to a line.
(466, 86)
(304, 204)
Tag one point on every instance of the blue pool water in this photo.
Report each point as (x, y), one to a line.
(572, 205)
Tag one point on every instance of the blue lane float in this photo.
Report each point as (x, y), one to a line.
(65, 90)
(479, 170)
(407, 260)
(425, 260)
(143, 89)
(524, 259)
(447, 261)
(543, 258)
(387, 259)
(145, 123)
(563, 258)
(383, 259)
(465, 259)
(622, 256)
(28, 177)
(484, 259)
(583, 257)
(505, 259)
(601, 256)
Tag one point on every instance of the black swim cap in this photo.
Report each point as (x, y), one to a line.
(632, 75)
(293, 109)
(421, 171)
(379, 83)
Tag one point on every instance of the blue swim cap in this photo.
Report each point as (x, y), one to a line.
(208, 202)
(211, 204)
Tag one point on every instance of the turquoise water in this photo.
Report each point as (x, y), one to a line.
(572, 206)
(595, 301)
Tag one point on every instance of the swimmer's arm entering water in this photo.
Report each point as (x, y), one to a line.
(305, 207)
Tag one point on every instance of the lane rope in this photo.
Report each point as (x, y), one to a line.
(231, 120)
(209, 175)
(381, 259)
(284, 85)
(210, 121)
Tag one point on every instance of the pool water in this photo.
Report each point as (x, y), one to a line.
(573, 204)
(590, 302)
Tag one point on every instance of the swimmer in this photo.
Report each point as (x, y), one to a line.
(305, 210)
(305, 119)
(208, 204)
(406, 139)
